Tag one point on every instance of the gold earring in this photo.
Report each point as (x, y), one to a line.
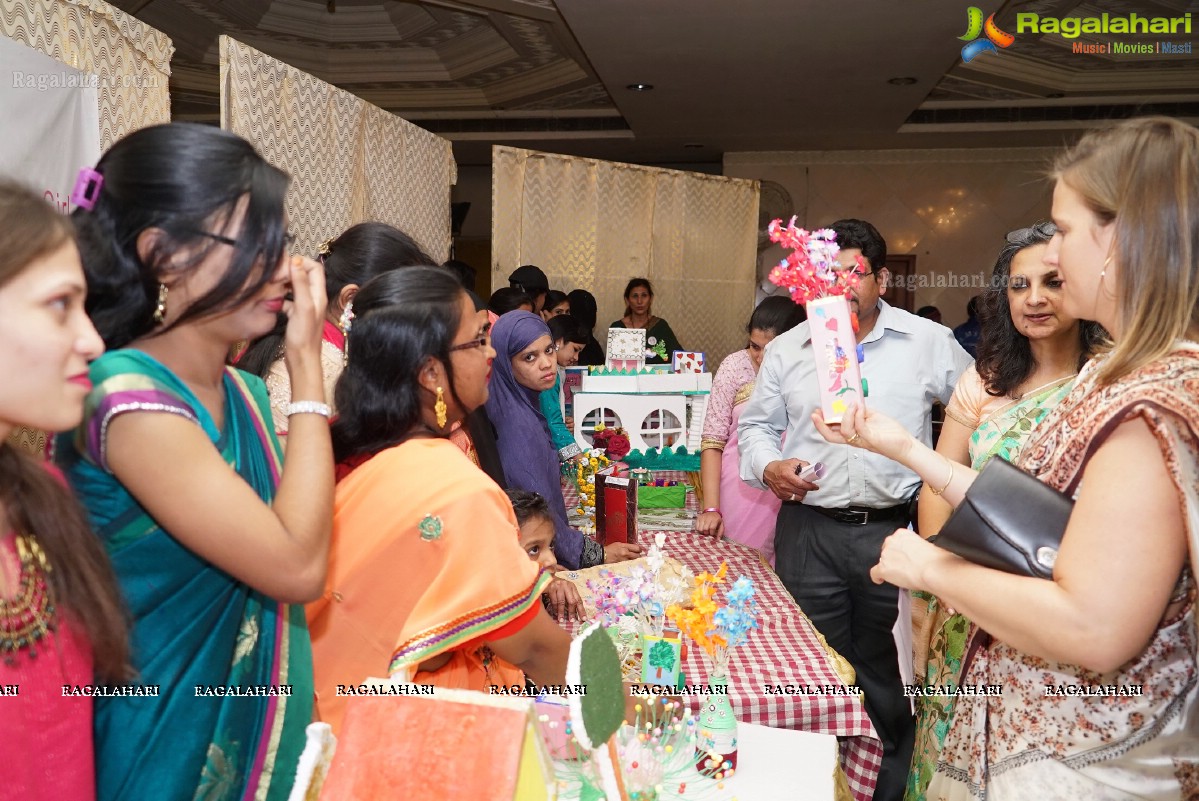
(439, 408)
(160, 311)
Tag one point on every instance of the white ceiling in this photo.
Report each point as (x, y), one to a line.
(728, 75)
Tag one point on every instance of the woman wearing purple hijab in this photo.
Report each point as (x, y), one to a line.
(524, 366)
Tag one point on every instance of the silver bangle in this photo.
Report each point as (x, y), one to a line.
(308, 407)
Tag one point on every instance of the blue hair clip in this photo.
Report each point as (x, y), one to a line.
(87, 188)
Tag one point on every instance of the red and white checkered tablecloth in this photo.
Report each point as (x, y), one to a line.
(785, 651)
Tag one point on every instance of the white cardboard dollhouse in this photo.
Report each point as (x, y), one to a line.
(659, 407)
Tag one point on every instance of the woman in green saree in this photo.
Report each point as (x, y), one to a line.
(1029, 353)
(660, 341)
(215, 541)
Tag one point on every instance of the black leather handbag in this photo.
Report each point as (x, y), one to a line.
(1009, 521)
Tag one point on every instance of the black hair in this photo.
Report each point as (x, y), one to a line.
(927, 311)
(565, 328)
(776, 314)
(1004, 356)
(973, 303)
(628, 290)
(528, 506)
(583, 308)
(852, 233)
(358, 255)
(403, 318)
(552, 298)
(508, 299)
(463, 272)
(187, 180)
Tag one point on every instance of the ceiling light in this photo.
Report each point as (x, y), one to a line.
(906, 81)
(640, 87)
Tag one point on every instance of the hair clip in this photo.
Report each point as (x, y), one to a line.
(323, 248)
(87, 188)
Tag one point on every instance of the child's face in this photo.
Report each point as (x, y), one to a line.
(537, 538)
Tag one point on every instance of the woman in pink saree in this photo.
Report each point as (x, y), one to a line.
(750, 512)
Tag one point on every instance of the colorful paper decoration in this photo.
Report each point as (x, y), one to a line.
(626, 349)
(387, 741)
(688, 361)
(836, 351)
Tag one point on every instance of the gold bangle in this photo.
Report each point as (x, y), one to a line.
(948, 481)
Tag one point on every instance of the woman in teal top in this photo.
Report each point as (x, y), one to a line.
(660, 341)
(569, 340)
(214, 540)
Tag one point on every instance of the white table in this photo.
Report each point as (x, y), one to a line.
(782, 765)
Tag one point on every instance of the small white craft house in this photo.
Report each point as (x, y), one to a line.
(657, 409)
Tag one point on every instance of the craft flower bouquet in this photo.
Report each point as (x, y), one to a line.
(585, 469)
(717, 628)
(633, 608)
(613, 441)
(815, 277)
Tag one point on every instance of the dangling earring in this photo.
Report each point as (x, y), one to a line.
(160, 311)
(439, 408)
(1102, 273)
(347, 318)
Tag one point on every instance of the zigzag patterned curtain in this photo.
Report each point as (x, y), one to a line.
(349, 161)
(593, 225)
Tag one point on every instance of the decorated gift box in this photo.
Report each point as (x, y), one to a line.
(626, 349)
(688, 361)
(615, 508)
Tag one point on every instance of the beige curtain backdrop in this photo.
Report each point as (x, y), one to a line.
(131, 60)
(349, 161)
(593, 225)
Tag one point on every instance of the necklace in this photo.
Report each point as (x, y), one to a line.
(28, 616)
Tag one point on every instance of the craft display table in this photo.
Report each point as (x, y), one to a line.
(786, 652)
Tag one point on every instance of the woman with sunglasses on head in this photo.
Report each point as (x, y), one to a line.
(61, 619)
(215, 540)
(1097, 666)
(427, 579)
(1029, 353)
(526, 365)
(358, 255)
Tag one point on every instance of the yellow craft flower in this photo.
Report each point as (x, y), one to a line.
(599, 427)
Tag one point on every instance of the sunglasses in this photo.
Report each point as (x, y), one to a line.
(1033, 232)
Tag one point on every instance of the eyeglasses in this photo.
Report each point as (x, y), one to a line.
(1031, 234)
(481, 342)
(289, 238)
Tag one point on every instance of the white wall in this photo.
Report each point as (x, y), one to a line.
(949, 207)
